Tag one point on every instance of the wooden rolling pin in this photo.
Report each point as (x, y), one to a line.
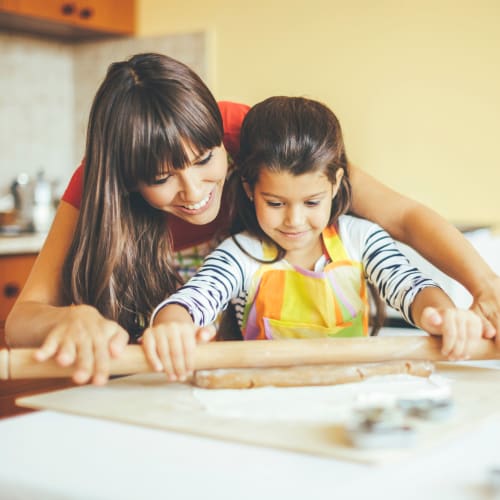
(20, 363)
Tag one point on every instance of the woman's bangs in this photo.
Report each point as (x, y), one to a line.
(190, 132)
(165, 137)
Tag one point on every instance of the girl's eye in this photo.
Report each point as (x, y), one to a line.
(206, 159)
(274, 204)
(312, 203)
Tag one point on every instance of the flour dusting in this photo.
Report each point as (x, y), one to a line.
(319, 403)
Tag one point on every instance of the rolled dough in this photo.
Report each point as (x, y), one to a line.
(294, 376)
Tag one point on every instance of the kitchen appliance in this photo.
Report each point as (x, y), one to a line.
(33, 205)
(22, 190)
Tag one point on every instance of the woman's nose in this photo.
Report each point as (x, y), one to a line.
(191, 185)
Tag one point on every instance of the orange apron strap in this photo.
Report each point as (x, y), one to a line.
(333, 245)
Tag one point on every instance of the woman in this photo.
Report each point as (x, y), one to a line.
(155, 166)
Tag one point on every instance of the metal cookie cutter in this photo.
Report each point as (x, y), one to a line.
(494, 481)
(429, 409)
(380, 427)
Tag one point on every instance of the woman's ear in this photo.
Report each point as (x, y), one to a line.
(248, 190)
(338, 180)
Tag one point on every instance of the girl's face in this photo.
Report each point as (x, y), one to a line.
(193, 193)
(294, 210)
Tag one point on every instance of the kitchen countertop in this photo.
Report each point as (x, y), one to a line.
(23, 244)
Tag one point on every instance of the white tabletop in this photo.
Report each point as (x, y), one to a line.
(49, 455)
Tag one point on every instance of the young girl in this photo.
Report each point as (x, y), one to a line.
(152, 184)
(300, 267)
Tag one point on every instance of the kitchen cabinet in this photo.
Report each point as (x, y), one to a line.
(77, 19)
(14, 271)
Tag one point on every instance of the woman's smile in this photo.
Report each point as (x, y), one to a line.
(200, 206)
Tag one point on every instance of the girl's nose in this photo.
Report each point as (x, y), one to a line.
(294, 216)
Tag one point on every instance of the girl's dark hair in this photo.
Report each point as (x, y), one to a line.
(294, 135)
(149, 113)
(288, 134)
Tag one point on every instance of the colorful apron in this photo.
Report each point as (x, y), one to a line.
(286, 301)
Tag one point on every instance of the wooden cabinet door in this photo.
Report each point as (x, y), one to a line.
(107, 16)
(53, 10)
(98, 16)
(14, 271)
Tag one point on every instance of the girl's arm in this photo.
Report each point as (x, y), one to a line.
(77, 335)
(184, 318)
(221, 278)
(418, 298)
(434, 238)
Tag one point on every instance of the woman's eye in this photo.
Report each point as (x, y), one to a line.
(205, 159)
(274, 204)
(161, 180)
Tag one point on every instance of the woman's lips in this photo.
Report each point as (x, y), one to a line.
(199, 207)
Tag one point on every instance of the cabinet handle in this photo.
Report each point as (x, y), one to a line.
(86, 13)
(68, 8)
(11, 290)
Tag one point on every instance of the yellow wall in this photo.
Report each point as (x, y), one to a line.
(416, 85)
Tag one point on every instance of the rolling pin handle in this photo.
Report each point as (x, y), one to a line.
(4, 364)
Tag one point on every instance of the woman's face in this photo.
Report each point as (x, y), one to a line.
(194, 193)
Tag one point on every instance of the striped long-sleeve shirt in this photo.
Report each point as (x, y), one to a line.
(227, 272)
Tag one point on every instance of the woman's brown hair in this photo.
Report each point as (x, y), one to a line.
(145, 114)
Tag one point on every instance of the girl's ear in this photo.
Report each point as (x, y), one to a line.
(338, 179)
(248, 190)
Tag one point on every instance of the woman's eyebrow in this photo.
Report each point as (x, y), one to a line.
(200, 156)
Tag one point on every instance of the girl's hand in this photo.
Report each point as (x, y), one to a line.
(170, 347)
(487, 306)
(460, 330)
(85, 339)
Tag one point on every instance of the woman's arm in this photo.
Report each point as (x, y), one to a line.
(434, 238)
(37, 310)
(77, 335)
(434, 312)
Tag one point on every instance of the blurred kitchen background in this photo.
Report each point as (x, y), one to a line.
(416, 85)
(46, 89)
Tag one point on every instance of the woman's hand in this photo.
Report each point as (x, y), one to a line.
(86, 339)
(487, 306)
(460, 330)
(170, 347)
